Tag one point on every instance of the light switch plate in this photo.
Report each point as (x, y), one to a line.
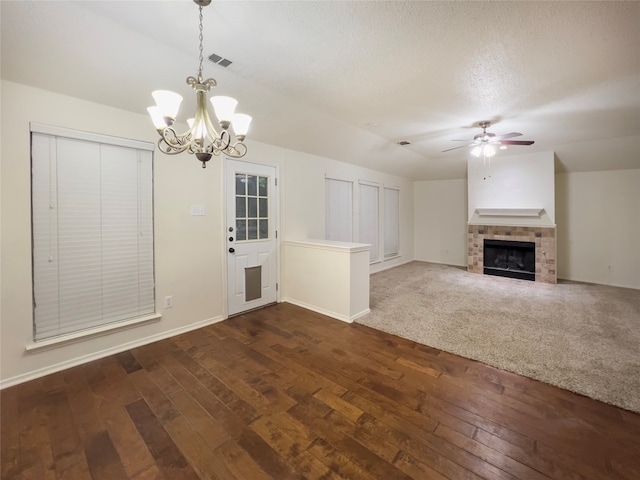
(197, 210)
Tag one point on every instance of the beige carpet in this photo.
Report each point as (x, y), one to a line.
(581, 337)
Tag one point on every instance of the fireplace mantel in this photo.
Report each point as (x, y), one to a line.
(509, 212)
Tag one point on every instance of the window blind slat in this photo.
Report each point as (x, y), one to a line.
(92, 234)
(369, 230)
(391, 222)
(338, 210)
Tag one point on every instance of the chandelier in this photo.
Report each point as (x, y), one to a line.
(202, 138)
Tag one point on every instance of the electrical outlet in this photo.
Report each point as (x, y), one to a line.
(168, 301)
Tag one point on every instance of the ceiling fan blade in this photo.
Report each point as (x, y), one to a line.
(454, 148)
(516, 142)
(508, 135)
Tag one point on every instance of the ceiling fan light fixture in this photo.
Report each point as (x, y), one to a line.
(488, 150)
(484, 150)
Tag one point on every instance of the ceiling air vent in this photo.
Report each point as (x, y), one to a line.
(218, 60)
(404, 142)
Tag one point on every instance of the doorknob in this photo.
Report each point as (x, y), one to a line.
(231, 250)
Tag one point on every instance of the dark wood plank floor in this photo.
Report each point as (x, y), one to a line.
(284, 393)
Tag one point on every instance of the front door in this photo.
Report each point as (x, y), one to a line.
(251, 236)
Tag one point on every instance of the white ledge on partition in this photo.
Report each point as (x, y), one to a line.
(509, 212)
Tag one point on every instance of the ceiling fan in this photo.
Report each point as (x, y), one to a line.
(485, 142)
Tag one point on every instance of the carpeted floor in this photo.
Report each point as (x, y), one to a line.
(581, 337)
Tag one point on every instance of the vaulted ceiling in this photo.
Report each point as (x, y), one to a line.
(350, 79)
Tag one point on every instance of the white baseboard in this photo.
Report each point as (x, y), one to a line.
(25, 377)
(328, 313)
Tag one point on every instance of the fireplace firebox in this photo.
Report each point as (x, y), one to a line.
(506, 258)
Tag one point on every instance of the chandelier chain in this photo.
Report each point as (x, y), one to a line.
(201, 57)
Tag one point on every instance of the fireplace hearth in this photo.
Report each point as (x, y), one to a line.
(513, 259)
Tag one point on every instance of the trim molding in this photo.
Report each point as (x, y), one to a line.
(25, 377)
(330, 245)
(328, 313)
(90, 136)
(62, 340)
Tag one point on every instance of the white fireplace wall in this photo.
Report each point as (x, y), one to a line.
(522, 181)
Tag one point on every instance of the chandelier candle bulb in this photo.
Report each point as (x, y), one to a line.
(202, 139)
(241, 123)
(224, 108)
(168, 104)
(157, 118)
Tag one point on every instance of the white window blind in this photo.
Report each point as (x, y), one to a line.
(369, 230)
(391, 222)
(338, 210)
(92, 220)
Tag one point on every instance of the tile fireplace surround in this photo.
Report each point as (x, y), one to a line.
(543, 237)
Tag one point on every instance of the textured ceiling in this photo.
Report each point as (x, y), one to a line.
(314, 75)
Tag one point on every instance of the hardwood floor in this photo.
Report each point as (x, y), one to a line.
(284, 393)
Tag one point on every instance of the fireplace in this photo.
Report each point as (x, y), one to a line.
(513, 259)
(544, 239)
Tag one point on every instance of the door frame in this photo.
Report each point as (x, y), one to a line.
(223, 224)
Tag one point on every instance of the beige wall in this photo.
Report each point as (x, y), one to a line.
(440, 221)
(598, 218)
(598, 225)
(304, 206)
(189, 250)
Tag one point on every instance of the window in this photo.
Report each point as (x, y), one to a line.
(391, 222)
(92, 221)
(369, 231)
(338, 210)
(252, 207)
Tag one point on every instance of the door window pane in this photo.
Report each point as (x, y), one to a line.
(263, 183)
(241, 207)
(253, 207)
(252, 229)
(241, 229)
(252, 188)
(241, 181)
(264, 229)
(264, 208)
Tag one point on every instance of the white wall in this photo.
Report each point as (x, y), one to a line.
(598, 232)
(304, 205)
(512, 181)
(440, 223)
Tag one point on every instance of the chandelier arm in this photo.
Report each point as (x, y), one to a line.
(173, 143)
(237, 150)
(219, 140)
